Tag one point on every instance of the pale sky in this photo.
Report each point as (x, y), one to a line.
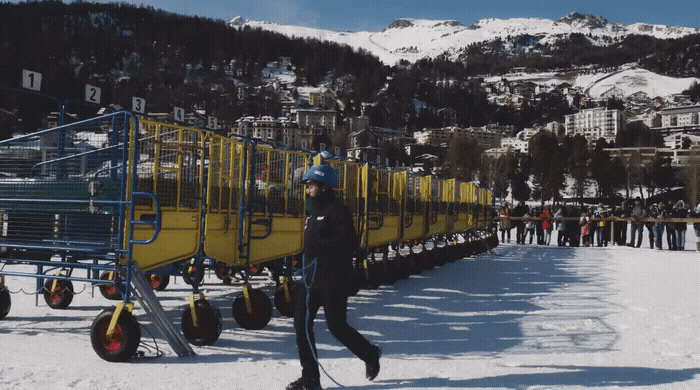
(375, 15)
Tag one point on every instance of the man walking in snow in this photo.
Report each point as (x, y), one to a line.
(330, 241)
(638, 213)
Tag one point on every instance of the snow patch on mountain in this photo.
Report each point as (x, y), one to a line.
(412, 39)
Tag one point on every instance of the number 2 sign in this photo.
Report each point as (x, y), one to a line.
(93, 94)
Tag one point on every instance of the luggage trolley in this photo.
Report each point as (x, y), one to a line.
(383, 199)
(254, 217)
(69, 202)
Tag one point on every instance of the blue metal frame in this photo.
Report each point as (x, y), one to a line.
(104, 257)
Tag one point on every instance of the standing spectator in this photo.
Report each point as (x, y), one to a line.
(638, 213)
(539, 228)
(504, 213)
(659, 225)
(650, 225)
(573, 230)
(547, 225)
(681, 227)
(585, 225)
(561, 226)
(696, 226)
(529, 227)
(620, 225)
(670, 227)
(519, 211)
(599, 223)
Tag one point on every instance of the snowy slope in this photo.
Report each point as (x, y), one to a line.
(628, 78)
(634, 80)
(413, 39)
(522, 317)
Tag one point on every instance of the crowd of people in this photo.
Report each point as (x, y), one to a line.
(581, 225)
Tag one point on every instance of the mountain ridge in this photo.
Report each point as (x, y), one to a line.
(412, 39)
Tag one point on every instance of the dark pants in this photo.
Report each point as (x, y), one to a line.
(335, 307)
(503, 235)
(671, 237)
(520, 233)
(636, 227)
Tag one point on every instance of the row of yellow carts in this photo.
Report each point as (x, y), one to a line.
(98, 200)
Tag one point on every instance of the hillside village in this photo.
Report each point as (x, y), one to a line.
(309, 120)
(488, 98)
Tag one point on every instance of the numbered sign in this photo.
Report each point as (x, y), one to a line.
(212, 123)
(31, 80)
(138, 105)
(179, 114)
(93, 94)
(337, 151)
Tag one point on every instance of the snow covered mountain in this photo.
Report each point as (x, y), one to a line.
(413, 39)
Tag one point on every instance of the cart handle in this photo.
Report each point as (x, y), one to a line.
(155, 222)
(267, 222)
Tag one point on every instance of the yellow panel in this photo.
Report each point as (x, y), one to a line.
(388, 233)
(221, 238)
(414, 227)
(287, 239)
(171, 167)
(175, 242)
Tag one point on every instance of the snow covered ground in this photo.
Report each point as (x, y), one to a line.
(520, 317)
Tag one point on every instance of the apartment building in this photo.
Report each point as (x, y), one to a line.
(595, 123)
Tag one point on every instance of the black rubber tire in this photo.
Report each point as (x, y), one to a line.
(391, 269)
(209, 324)
(372, 276)
(284, 307)
(159, 282)
(256, 269)
(261, 310)
(5, 302)
(61, 297)
(222, 271)
(427, 258)
(125, 339)
(404, 266)
(192, 273)
(110, 291)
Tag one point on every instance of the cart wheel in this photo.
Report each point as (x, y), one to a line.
(256, 269)
(441, 255)
(159, 282)
(427, 258)
(110, 291)
(60, 297)
(261, 310)
(191, 274)
(124, 341)
(284, 306)
(209, 324)
(222, 271)
(5, 302)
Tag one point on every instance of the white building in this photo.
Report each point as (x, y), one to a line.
(307, 119)
(675, 141)
(680, 116)
(595, 123)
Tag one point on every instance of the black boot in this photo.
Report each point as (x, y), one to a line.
(301, 384)
(372, 367)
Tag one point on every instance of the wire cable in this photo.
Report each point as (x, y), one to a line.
(307, 324)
